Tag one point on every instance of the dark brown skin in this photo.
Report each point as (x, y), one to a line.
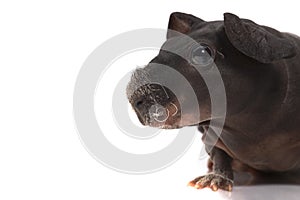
(260, 68)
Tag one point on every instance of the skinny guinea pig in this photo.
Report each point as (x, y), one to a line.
(260, 70)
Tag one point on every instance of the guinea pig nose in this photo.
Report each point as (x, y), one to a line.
(138, 103)
(159, 113)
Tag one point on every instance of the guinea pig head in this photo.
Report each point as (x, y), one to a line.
(176, 88)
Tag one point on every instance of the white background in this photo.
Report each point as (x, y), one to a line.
(42, 47)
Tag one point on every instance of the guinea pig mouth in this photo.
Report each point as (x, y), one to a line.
(160, 114)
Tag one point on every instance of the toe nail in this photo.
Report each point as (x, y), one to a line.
(197, 186)
(191, 184)
(214, 187)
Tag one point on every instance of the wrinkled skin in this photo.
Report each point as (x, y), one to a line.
(260, 69)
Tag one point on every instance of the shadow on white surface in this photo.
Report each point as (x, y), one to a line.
(262, 192)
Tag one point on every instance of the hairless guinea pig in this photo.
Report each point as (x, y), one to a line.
(260, 72)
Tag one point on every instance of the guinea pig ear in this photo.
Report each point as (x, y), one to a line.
(262, 43)
(182, 23)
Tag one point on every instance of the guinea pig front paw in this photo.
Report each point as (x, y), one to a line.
(213, 181)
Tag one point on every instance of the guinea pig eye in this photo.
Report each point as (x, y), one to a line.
(202, 55)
